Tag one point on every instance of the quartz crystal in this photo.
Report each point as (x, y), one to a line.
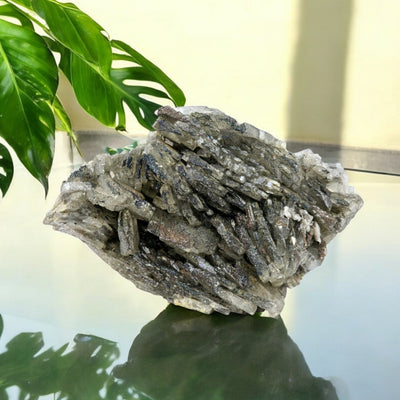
(211, 214)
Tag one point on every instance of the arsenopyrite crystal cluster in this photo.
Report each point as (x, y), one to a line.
(210, 214)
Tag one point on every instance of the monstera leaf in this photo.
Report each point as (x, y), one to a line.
(6, 169)
(29, 79)
(76, 370)
(76, 31)
(29, 109)
(105, 96)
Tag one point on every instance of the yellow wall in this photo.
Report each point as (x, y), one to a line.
(321, 70)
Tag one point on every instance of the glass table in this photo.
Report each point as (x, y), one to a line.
(72, 326)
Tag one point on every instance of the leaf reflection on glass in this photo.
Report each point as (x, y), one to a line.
(181, 355)
(77, 374)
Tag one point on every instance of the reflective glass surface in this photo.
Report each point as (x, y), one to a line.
(72, 328)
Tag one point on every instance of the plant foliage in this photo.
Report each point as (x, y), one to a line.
(79, 370)
(111, 150)
(6, 169)
(78, 46)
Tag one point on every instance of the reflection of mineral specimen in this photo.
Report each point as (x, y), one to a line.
(183, 355)
(211, 214)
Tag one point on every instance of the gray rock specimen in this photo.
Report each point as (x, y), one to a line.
(210, 214)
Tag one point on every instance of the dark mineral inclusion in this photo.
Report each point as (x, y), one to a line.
(211, 214)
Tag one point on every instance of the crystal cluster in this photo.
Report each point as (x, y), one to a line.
(211, 214)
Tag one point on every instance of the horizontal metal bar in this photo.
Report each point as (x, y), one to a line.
(354, 158)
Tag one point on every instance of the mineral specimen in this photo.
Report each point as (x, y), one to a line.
(210, 214)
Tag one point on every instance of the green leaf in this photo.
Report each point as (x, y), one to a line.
(112, 150)
(103, 95)
(94, 90)
(86, 61)
(25, 345)
(28, 82)
(148, 71)
(6, 171)
(76, 31)
(1, 325)
(63, 123)
(9, 10)
(24, 3)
